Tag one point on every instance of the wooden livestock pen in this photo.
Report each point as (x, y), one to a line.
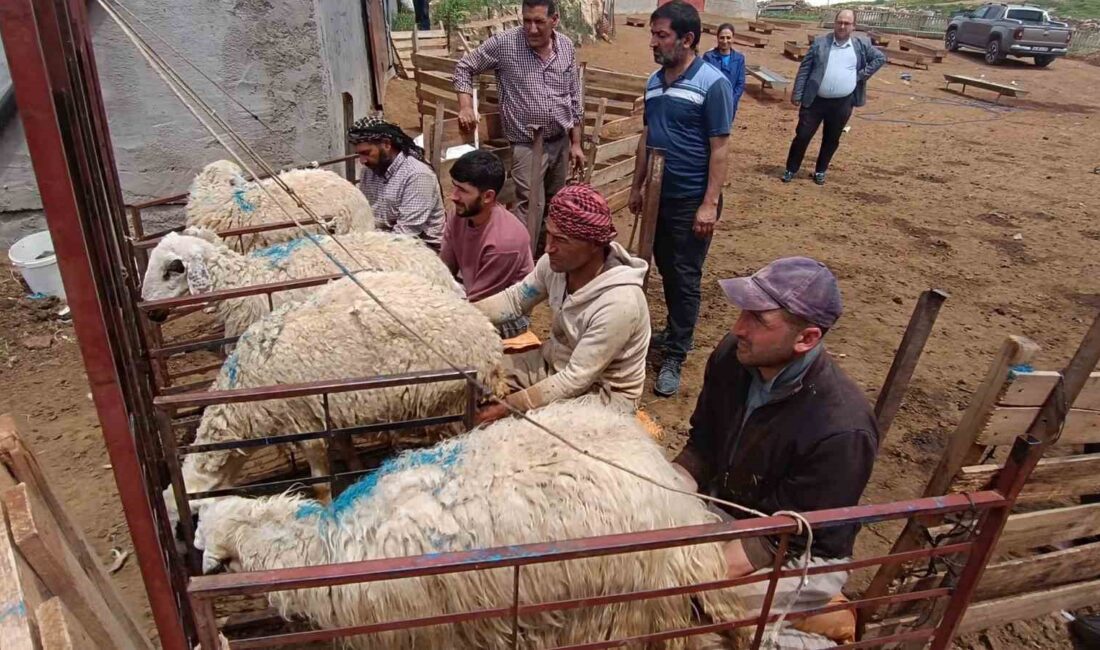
(65, 123)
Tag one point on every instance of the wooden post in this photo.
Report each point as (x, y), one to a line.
(961, 450)
(20, 595)
(536, 190)
(906, 358)
(60, 629)
(594, 140)
(651, 205)
(437, 136)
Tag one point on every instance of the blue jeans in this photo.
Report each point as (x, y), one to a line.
(680, 255)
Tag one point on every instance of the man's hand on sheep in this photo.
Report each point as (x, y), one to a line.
(490, 413)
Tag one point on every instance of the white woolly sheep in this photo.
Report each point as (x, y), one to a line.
(221, 199)
(197, 261)
(339, 332)
(504, 484)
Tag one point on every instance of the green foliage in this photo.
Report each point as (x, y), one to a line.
(452, 13)
(403, 21)
(1073, 9)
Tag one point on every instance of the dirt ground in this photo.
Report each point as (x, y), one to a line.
(998, 205)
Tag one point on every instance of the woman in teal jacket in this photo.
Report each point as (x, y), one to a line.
(729, 61)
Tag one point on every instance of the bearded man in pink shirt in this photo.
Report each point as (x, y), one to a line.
(485, 245)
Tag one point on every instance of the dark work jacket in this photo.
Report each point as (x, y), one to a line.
(811, 450)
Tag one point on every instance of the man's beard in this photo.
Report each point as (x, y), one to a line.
(670, 60)
(384, 161)
(468, 212)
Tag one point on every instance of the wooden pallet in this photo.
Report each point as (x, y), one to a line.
(878, 39)
(761, 27)
(908, 59)
(406, 44)
(53, 590)
(1000, 89)
(795, 50)
(934, 52)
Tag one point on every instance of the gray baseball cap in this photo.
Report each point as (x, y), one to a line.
(802, 286)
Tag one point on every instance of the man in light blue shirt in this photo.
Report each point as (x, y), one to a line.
(832, 79)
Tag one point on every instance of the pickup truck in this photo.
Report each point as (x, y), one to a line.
(1003, 30)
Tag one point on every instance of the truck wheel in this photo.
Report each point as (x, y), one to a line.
(951, 40)
(1044, 61)
(993, 53)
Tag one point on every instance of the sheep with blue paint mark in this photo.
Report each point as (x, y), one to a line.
(197, 262)
(222, 199)
(503, 484)
(341, 333)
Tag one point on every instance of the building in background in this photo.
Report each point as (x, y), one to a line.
(305, 68)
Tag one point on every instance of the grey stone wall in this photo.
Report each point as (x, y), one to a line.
(288, 62)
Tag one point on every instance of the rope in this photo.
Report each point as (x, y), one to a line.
(998, 111)
(180, 88)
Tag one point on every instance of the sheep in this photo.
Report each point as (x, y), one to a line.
(502, 484)
(339, 332)
(197, 261)
(220, 199)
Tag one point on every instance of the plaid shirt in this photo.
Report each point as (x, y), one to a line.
(406, 199)
(532, 91)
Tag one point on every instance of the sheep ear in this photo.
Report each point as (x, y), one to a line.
(198, 277)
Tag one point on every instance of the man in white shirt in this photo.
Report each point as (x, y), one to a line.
(831, 80)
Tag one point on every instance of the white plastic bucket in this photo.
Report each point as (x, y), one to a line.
(34, 257)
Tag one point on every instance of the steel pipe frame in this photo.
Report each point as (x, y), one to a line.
(54, 75)
(204, 590)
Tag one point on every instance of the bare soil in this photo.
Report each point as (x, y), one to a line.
(996, 204)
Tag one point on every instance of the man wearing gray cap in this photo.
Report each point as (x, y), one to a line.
(778, 425)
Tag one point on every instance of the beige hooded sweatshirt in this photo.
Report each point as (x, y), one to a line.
(599, 336)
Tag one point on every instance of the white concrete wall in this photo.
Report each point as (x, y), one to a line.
(742, 9)
(287, 62)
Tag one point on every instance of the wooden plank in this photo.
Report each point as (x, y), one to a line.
(613, 172)
(909, 59)
(794, 50)
(39, 541)
(614, 129)
(1037, 572)
(1007, 422)
(934, 51)
(878, 39)
(20, 594)
(1053, 478)
(435, 81)
(60, 629)
(618, 200)
(24, 467)
(1029, 530)
(991, 613)
(1002, 89)
(604, 78)
(1031, 388)
(598, 92)
(749, 39)
(622, 147)
(761, 27)
(434, 63)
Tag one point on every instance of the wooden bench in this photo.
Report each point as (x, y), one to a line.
(1000, 89)
(1030, 576)
(879, 40)
(794, 50)
(768, 78)
(750, 39)
(761, 27)
(932, 51)
(908, 59)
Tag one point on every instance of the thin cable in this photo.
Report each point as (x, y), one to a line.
(998, 111)
(172, 79)
(196, 68)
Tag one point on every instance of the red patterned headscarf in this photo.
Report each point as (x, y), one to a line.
(581, 213)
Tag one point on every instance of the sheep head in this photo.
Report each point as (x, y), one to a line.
(177, 267)
(241, 534)
(213, 189)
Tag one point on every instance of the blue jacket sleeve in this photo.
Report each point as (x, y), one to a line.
(738, 81)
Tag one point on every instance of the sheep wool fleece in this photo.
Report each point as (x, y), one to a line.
(599, 336)
(503, 484)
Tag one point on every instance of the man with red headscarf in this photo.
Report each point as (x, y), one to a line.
(599, 329)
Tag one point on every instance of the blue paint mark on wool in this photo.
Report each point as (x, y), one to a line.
(278, 253)
(242, 202)
(1020, 369)
(443, 456)
(231, 369)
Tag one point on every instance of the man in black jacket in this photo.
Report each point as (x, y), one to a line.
(778, 425)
